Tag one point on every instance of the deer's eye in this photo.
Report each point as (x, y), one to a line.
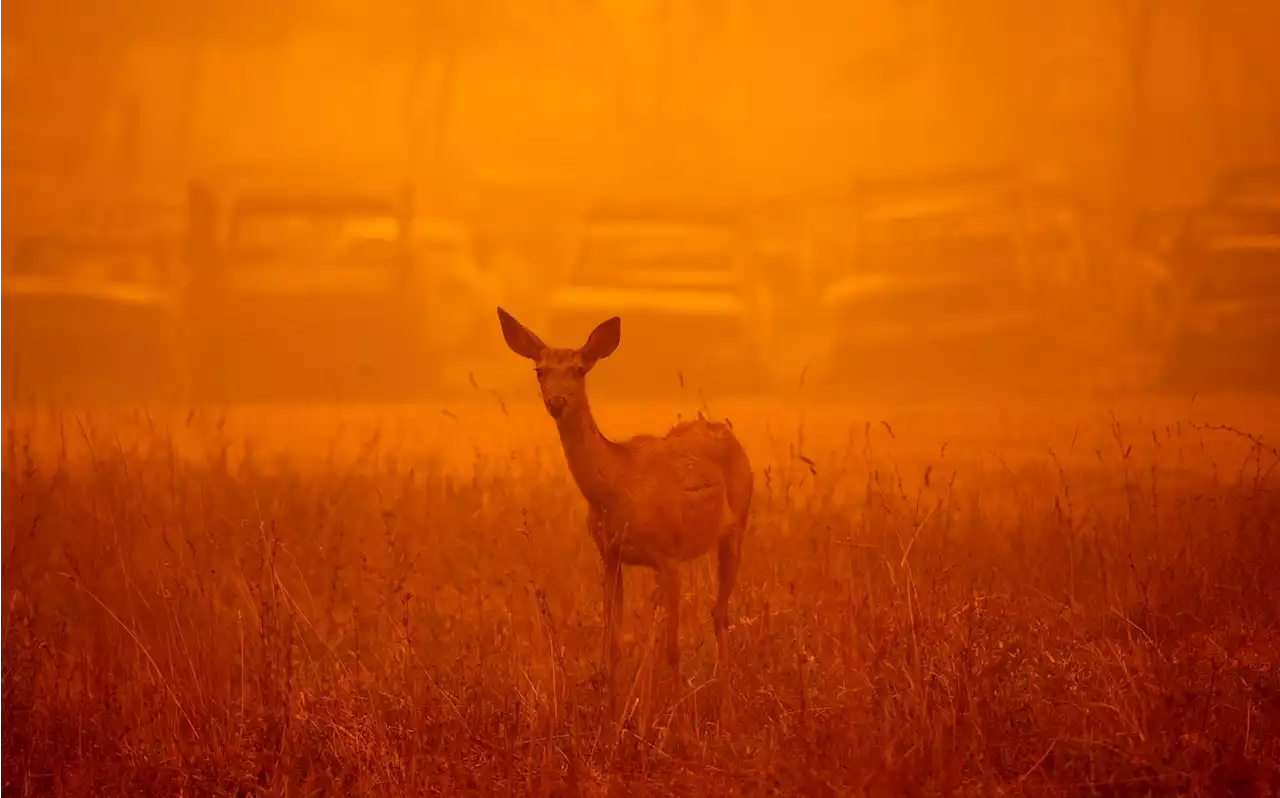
(580, 371)
(539, 371)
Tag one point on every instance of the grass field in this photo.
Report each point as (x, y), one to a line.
(996, 598)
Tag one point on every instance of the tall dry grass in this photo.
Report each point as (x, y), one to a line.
(1098, 615)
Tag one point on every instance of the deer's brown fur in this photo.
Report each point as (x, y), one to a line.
(653, 502)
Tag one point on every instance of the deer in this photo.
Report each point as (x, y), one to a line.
(653, 502)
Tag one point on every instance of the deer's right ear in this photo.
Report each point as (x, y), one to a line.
(521, 341)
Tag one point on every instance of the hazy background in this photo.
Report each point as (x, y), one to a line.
(766, 96)
(505, 113)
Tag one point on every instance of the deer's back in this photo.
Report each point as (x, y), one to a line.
(686, 488)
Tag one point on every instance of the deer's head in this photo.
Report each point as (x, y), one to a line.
(561, 373)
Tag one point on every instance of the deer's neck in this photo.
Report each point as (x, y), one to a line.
(593, 459)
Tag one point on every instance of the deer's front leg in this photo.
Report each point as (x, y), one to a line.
(612, 561)
(612, 627)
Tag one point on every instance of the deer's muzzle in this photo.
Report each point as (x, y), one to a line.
(555, 406)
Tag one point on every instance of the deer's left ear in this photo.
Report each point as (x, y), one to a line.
(602, 341)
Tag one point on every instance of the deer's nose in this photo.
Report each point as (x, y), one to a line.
(555, 406)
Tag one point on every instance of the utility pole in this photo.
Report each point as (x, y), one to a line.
(427, 129)
(1213, 99)
(191, 87)
(1138, 57)
(413, 92)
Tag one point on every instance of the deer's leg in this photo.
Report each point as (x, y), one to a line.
(728, 556)
(613, 627)
(611, 558)
(669, 583)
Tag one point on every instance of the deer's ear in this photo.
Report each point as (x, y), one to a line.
(518, 337)
(602, 341)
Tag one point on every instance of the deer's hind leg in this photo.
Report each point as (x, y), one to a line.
(729, 555)
(669, 582)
